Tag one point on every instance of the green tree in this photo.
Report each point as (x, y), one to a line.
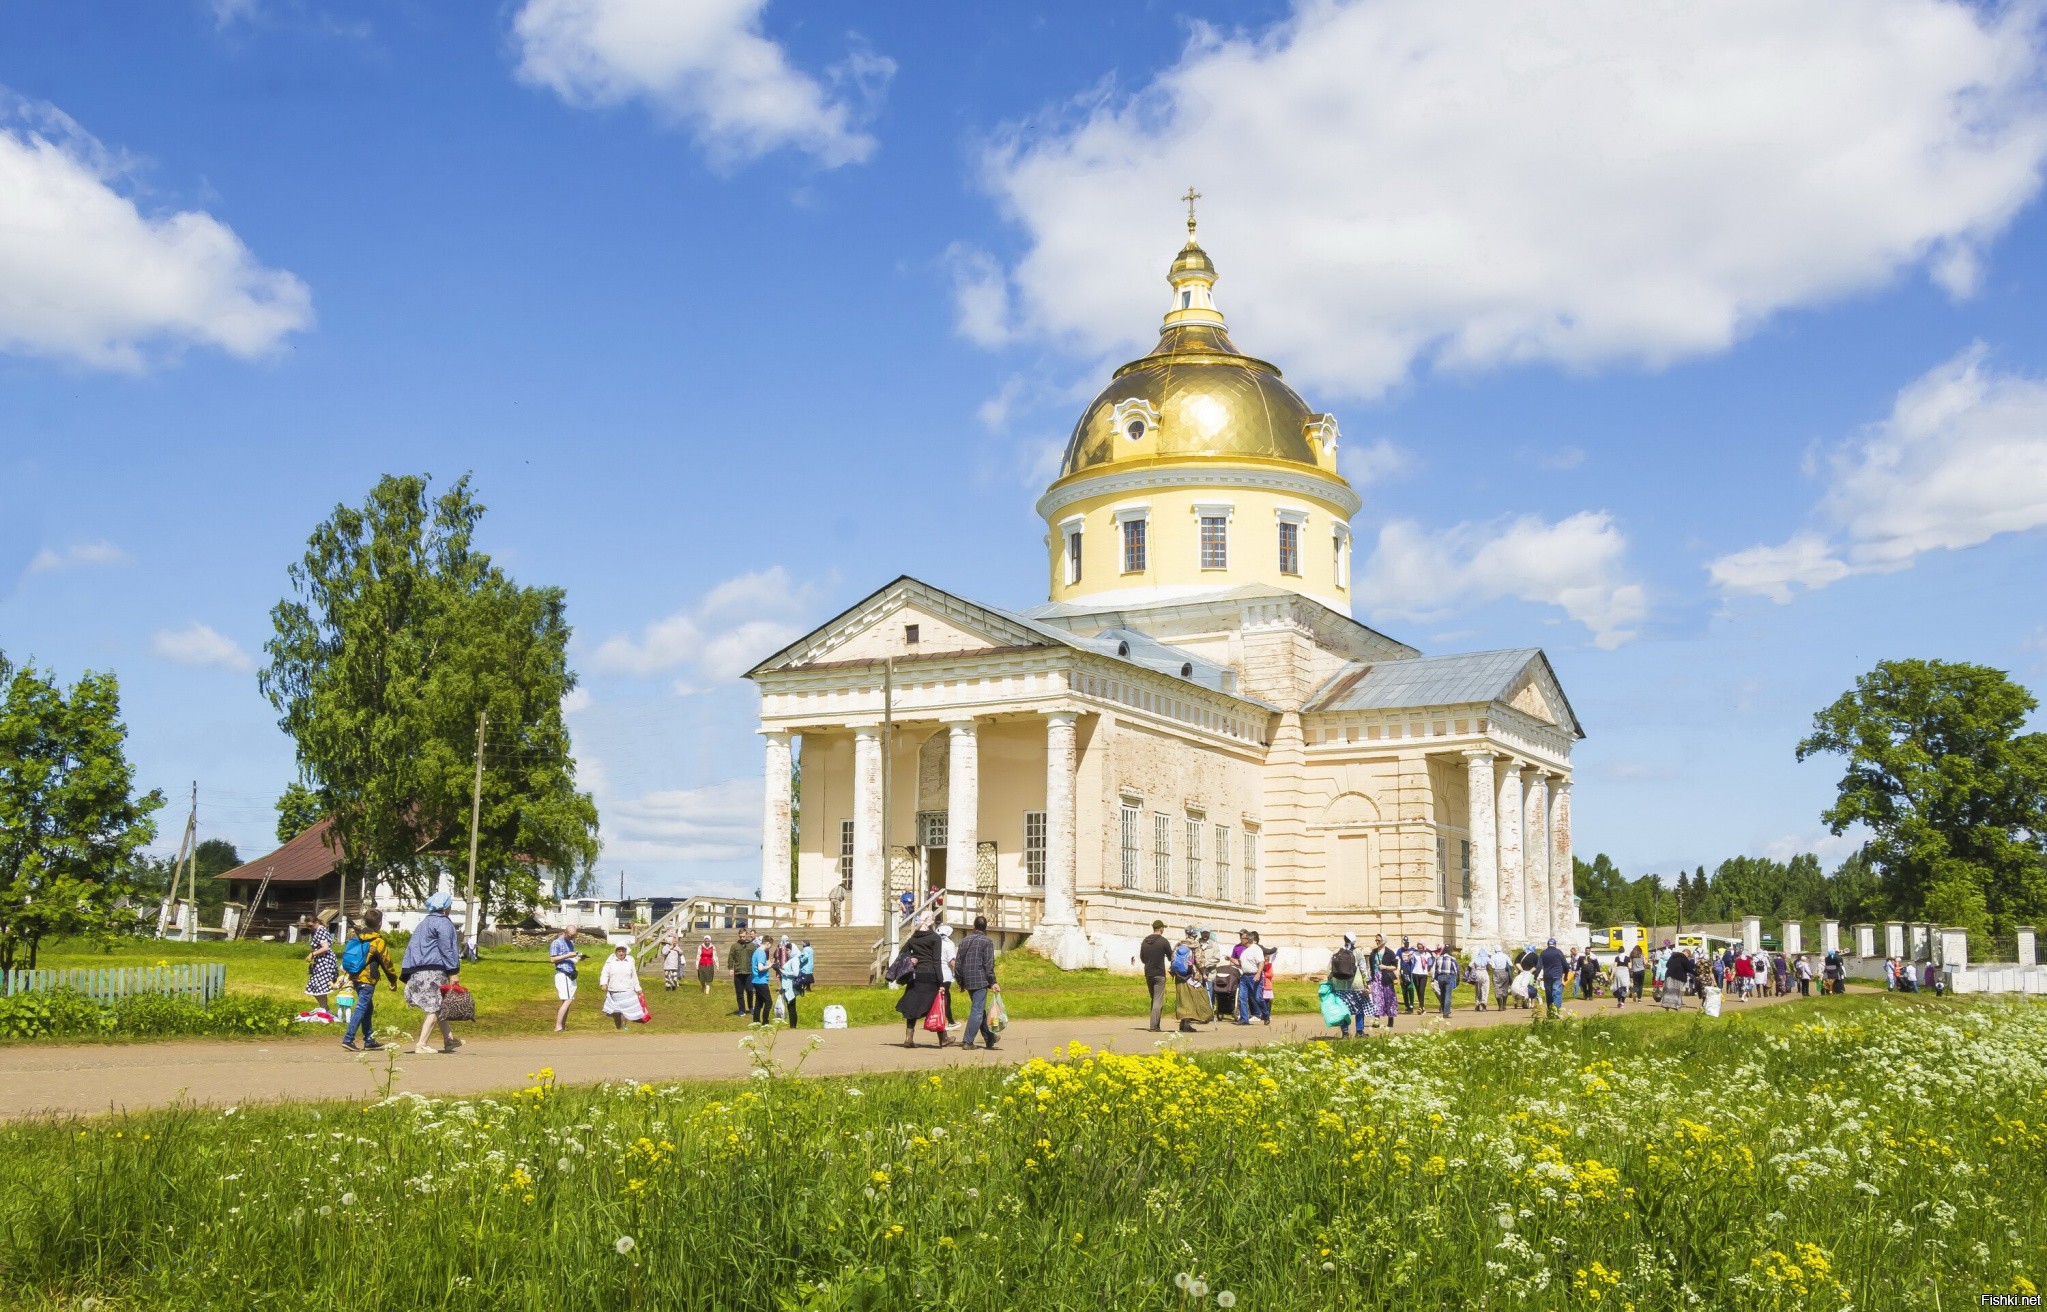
(298, 809)
(71, 826)
(1603, 896)
(1953, 792)
(398, 635)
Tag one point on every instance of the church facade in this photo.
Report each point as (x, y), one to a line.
(1192, 728)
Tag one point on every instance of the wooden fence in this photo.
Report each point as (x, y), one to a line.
(201, 981)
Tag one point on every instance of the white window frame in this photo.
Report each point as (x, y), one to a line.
(1342, 536)
(1195, 821)
(1161, 852)
(1251, 834)
(1125, 516)
(1297, 517)
(1132, 812)
(1204, 511)
(1222, 863)
(1036, 836)
(1070, 528)
(846, 848)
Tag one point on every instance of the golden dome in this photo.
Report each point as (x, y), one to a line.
(1195, 394)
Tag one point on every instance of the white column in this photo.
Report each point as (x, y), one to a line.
(1513, 906)
(1563, 870)
(962, 806)
(775, 819)
(1794, 939)
(1485, 857)
(1535, 854)
(1059, 822)
(1894, 938)
(1830, 936)
(1865, 940)
(1751, 934)
(865, 906)
(2026, 946)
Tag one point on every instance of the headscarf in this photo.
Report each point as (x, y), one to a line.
(785, 940)
(945, 931)
(924, 922)
(439, 902)
(1350, 940)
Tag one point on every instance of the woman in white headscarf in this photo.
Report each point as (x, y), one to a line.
(947, 952)
(620, 980)
(789, 977)
(924, 951)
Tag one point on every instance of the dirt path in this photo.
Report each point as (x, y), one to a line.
(81, 1079)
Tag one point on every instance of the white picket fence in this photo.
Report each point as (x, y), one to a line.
(202, 981)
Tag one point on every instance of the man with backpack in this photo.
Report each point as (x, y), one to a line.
(365, 956)
(1343, 982)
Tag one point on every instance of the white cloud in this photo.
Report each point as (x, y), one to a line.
(980, 295)
(1381, 462)
(200, 645)
(93, 280)
(1575, 564)
(734, 626)
(719, 822)
(577, 699)
(705, 64)
(1961, 458)
(1559, 458)
(1576, 181)
(226, 13)
(50, 560)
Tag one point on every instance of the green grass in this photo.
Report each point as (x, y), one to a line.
(515, 989)
(1864, 1152)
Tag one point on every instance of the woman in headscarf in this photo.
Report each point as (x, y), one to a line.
(947, 951)
(707, 964)
(322, 966)
(671, 963)
(620, 980)
(791, 975)
(923, 950)
(432, 961)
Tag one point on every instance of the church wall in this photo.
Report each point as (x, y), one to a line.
(827, 798)
(1012, 782)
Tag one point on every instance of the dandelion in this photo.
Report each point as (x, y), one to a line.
(1183, 1280)
(1226, 1299)
(326, 1209)
(624, 1245)
(1198, 1288)
(348, 1200)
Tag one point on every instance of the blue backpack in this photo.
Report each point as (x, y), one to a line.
(356, 956)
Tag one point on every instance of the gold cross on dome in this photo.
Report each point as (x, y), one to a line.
(1191, 196)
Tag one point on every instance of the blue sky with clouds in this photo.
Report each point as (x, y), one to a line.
(1701, 345)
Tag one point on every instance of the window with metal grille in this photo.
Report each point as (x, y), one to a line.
(1131, 812)
(1442, 871)
(1464, 865)
(1034, 848)
(1222, 863)
(1289, 547)
(1161, 852)
(1194, 823)
(1133, 546)
(1251, 866)
(1215, 542)
(931, 829)
(846, 853)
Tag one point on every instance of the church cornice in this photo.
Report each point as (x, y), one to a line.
(1200, 472)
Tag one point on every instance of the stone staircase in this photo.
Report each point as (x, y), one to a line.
(845, 956)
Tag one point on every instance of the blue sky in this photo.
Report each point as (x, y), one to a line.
(1702, 347)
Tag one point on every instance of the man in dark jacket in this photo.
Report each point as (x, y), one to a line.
(974, 968)
(739, 960)
(1554, 967)
(1152, 954)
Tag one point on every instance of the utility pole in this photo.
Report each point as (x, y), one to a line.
(888, 752)
(187, 845)
(475, 820)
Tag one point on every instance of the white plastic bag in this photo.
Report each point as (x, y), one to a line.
(835, 1017)
(1712, 1002)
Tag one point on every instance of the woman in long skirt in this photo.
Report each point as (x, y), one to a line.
(922, 990)
(620, 980)
(322, 966)
(707, 964)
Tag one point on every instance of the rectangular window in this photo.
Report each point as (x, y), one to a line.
(1251, 866)
(1133, 546)
(1161, 852)
(909, 635)
(1442, 871)
(1194, 888)
(1034, 848)
(1342, 540)
(931, 829)
(1289, 547)
(1222, 863)
(1130, 821)
(1073, 556)
(1464, 867)
(1215, 542)
(845, 853)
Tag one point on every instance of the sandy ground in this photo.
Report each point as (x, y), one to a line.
(81, 1079)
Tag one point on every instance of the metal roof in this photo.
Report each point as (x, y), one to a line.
(1480, 676)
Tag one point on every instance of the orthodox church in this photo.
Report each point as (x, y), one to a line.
(1192, 728)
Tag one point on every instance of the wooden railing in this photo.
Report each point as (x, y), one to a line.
(702, 914)
(1014, 913)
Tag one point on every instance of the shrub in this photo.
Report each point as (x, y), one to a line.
(159, 1013)
(249, 1013)
(63, 1013)
(57, 1012)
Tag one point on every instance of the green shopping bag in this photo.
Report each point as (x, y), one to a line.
(1335, 1011)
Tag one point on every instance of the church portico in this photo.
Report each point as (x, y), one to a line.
(1193, 728)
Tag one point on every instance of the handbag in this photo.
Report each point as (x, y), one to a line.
(934, 1020)
(646, 1014)
(457, 1003)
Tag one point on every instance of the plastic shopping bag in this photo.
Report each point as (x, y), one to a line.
(1335, 1010)
(998, 1015)
(646, 1014)
(934, 1020)
(1712, 1002)
(835, 1017)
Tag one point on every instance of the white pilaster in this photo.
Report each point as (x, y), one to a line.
(1830, 936)
(1513, 906)
(1485, 857)
(1794, 939)
(1059, 819)
(1563, 869)
(1894, 938)
(962, 805)
(865, 907)
(775, 819)
(1535, 854)
(1751, 934)
(2027, 946)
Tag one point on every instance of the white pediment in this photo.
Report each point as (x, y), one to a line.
(903, 620)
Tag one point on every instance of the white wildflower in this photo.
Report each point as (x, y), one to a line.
(624, 1245)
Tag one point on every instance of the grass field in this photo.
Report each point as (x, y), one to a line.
(1864, 1152)
(515, 990)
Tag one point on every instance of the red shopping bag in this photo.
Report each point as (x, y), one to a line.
(645, 1014)
(934, 1020)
